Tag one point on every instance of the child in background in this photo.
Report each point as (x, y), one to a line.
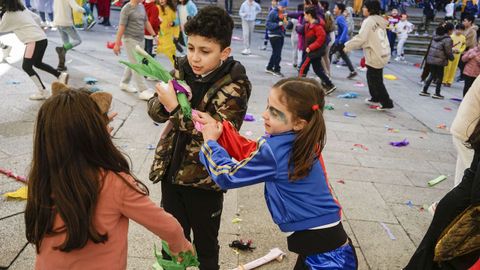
(26, 26)
(450, 11)
(276, 23)
(133, 21)
(459, 42)
(341, 38)
(186, 9)
(393, 19)
(288, 160)
(472, 67)
(221, 88)
(151, 9)
(402, 30)
(248, 12)
(296, 61)
(438, 56)
(81, 192)
(63, 20)
(330, 31)
(168, 30)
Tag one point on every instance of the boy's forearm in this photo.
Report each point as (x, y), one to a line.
(120, 32)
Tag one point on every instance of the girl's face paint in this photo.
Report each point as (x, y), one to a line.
(276, 117)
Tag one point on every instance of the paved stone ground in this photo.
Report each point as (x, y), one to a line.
(372, 185)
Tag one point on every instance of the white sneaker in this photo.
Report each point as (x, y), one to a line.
(40, 95)
(397, 59)
(63, 78)
(246, 52)
(127, 88)
(146, 94)
(6, 52)
(43, 24)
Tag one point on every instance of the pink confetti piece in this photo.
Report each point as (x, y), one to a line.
(361, 146)
(359, 84)
(340, 181)
(441, 126)
(447, 109)
(10, 174)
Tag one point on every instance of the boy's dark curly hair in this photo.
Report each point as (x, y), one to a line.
(211, 22)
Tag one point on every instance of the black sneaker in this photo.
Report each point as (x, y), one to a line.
(270, 71)
(425, 94)
(330, 89)
(352, 74)
(383, 107)
(438, 96)
(62, 68)
(278, 74)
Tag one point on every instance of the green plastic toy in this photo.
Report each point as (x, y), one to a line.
(188, 259)
(147, 66)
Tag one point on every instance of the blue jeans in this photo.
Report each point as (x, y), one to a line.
(276, 57)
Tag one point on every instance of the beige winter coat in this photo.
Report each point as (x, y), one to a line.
(468, 113)
(372, 37)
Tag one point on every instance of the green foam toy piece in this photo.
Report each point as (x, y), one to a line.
(188, 259)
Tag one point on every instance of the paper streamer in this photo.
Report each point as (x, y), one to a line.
(387, 230)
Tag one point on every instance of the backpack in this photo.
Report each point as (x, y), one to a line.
(329, 23)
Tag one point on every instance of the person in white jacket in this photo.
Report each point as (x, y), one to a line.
(462, 127)
(248, 12)
(26, 26)
(372, 37)
(402, 28)
(63, 20)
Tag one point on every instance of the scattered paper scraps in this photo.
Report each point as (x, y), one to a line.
(418, 65)
(249, 117)
(90, 80)
(341, 181)
(359, 84)
(447, 109)
(150, 147)
(437, 180)
(409, 203)
(10, 174)
(390, 77)
(441, 126)
(329, 107)
(359, 145)
(393, 130)
(374, 107)
(456, 99)
(236, 220)
(348, 95)
(400, 143)
(349, 114)
(237, 38)
(388, 231)
(20, 193)
(13, 82)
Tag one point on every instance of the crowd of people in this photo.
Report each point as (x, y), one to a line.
(81, 191)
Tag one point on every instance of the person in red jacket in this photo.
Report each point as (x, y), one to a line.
(151, 8)
(315, 38)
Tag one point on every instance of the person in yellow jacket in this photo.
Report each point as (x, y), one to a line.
(458, 47)
(168, 30)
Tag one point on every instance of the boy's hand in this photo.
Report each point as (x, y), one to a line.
(203, 118)
(212, 131)
(116, 49)
(167, 96)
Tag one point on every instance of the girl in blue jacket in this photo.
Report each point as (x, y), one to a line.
(288, 160)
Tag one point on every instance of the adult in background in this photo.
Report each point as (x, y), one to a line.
(248, 12)
(228, 6)
(372, 37)
(103, 8)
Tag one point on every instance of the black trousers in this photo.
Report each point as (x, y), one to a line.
(436, 72)
(317, 68)
(276, 57)
(339, 48)
(376, 87)
(37, 61)
(468, 83)
(199, 211)
(149, 47)
(449, 207)
(228, 6)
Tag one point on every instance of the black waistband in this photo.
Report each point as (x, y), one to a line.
(311, 242)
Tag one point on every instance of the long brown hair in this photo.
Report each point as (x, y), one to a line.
(300, 96)
(72, 148)
(171, 4)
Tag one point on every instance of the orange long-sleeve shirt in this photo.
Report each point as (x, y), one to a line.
(117, 203)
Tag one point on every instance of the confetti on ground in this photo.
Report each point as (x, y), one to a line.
(249, 117)
(441, 126)
(447, 109)
(13, 82)
(237, 38)
(393, 130)
(456, 99)
(156, 124)
(10, 174)
(409, 203)
(151, 147)
(361, 146)
(437, 180)
(348, 95)
(390, 77)
(424, 207)
(341, 181)
(248, 133)
(417, 65)
(387, 230)
(329, 107)
(90, 80)
(374, 107)
(400, 143)
(20, 193)
(349, 114)
(359, 84)
(236, 220)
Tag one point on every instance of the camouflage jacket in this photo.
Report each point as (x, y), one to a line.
(225, 96)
